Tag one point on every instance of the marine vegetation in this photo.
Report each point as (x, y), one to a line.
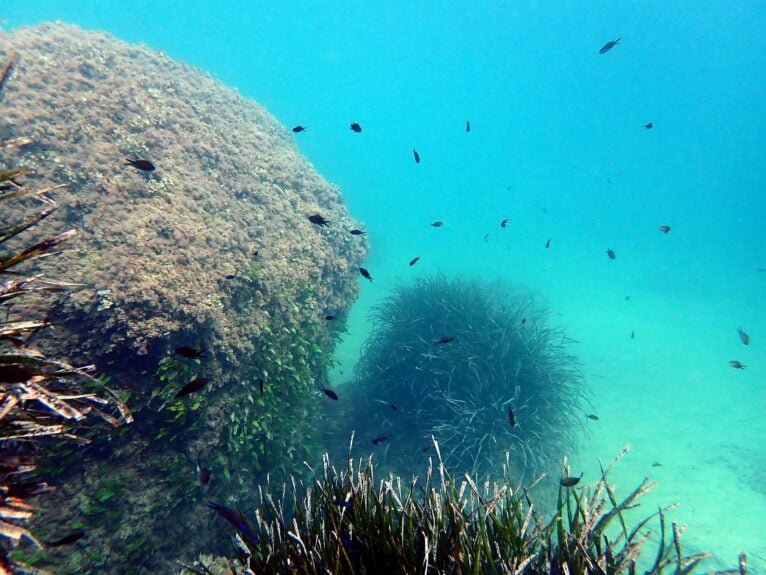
(352, 521)
(477, 367)
(43, 400)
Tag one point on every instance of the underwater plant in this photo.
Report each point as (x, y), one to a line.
(43, 400)
(350, 521)
(477, 367)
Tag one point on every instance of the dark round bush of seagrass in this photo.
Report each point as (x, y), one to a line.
(474, 364)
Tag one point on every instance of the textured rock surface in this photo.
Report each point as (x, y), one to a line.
(169, 258)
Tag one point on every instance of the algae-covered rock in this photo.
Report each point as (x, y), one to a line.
(212, 249)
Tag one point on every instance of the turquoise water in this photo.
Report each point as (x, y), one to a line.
(557, 145)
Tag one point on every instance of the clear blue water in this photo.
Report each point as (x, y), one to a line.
(555, 125)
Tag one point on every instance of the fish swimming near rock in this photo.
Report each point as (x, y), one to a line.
(570, 481)
(330, 393)
(67, 539)
(414, 260)
(318, 220)
(259, 382)
(143, 165)
(358, 233)
(611, 254)
(609, 45)
(365, 274)
(743, 337)
(203, 473)
(193, 386)
(737, 364)
(237, 520)
(299, 129)
(330, 317)
(190, 352)
(355, 127)
(664, 229)
(592, 416)
(416, 155)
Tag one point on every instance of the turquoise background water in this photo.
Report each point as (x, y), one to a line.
(557, 146)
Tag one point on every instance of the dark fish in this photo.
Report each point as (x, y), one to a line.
(393, 406)
(255, 254)
(736, 364)
(504, 223)
(260, 383)
(237, 520)
(358, 233)
(664, 229)
(230, 276)
(511, 417)
(627, 298)
(67, 539)
(416, 155)
(193, 386)
(656, 464)
(437, 224)
(355, 127)
(570, 481)
(592, 416)
(649, 126)
(609, 45)
(143, 165)
(743, 337)
(632, 334)
(523, 321)
(190, 352)
(414, 261)
(611, 254)
(445, 339)
(344, 502)
(17, 374)
(486, 236)
(203, 473)
(318, 220)
(467, 126)
(380, 439)
(365, 274)
(548, 243)
(330, 317)
(299, 129)
(330, 393)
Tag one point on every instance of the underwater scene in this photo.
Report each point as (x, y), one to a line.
(339, 287)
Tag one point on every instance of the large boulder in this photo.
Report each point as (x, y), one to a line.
(212, 249)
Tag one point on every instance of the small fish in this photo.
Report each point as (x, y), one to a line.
(570, 481)
(230, 276)
(656, 464)
(414, 260)
(548, 243)
(523, 321)
(380, 439)
(445, 339)
(330, 393)
(358, 233)
(467, 126)
(299, 129)
(511, 417)
(504, 223)
(193, 386)
(632, 334)
(611, 254)
(664, 229)
(330, 317)
(592, 416)
(736, 364)
(344, 502)
(237, 520)
(67, 539)
(393, 406)
(627, 298)
(609, 45)
(319, 220)
(437, 224)
(143, 165)
(203, 473)
(190, 352)
(365, 274)
(649, 126)
(259, 382)
(255, 254)
(486, 236)
(743, 337)
(355, 127)
(416, 155)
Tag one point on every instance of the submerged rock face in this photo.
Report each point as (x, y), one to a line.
(212, 249)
